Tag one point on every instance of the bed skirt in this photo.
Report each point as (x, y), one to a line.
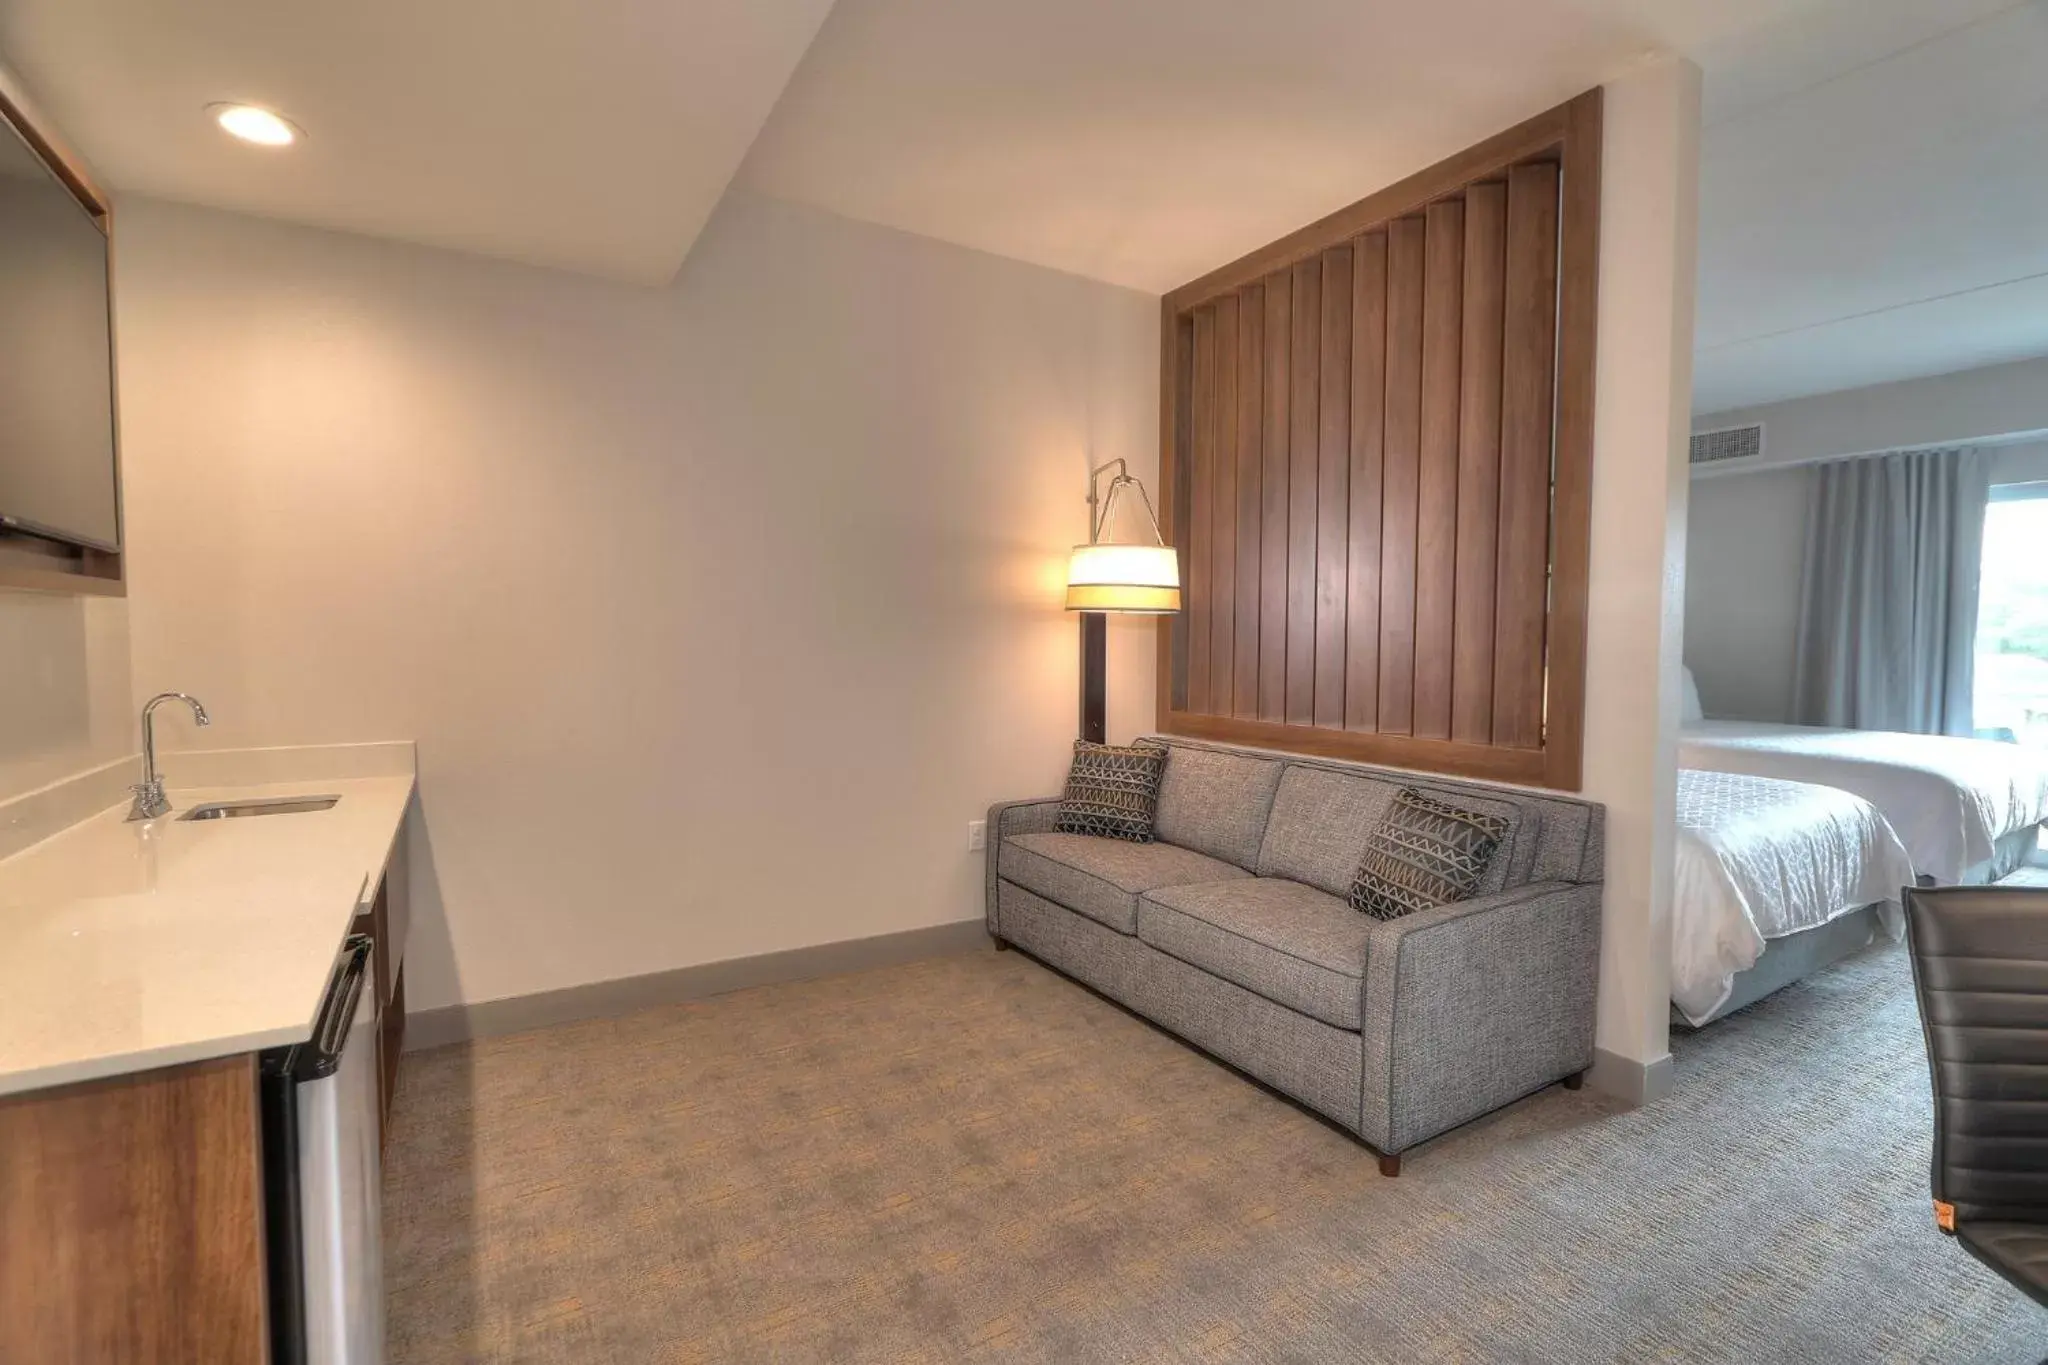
(2007, 855)
(1785, 960)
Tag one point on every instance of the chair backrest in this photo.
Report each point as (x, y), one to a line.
(1980, 970)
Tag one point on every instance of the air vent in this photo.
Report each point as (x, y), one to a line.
(1730, 443)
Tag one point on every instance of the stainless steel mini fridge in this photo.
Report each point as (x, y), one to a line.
(321, 1178)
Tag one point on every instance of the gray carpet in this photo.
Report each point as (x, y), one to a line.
(974, 1159)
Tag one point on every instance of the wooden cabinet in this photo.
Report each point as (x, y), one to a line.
(385, 919)
(132, 1209)
(131, 1220)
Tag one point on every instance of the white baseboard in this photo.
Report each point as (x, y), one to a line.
(1625, 1078)
(604, 999)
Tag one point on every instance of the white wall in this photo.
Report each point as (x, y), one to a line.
(1747, 531)
(1992, 402)
(64, 687)
(2021, 462)
(1648, 247)
(1745, 539)
(717, 611)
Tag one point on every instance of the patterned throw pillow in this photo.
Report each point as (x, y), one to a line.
(1425, 853)
(1112, 792)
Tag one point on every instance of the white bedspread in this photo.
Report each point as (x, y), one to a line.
(1759, 859)
(1948, 799)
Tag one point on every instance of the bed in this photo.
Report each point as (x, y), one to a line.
(1773, 880)
(1967, 810)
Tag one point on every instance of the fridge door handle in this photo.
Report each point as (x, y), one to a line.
(322, 1053)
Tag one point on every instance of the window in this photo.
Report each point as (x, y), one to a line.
(2010, 697)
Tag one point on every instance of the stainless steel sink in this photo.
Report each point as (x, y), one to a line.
(269, 805)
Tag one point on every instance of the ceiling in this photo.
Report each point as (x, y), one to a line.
(594, 135)
(1874, 171)
(1145, 142)
(1864, 160)
(1889, 223)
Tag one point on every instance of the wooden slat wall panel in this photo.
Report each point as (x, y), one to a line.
(1436, 495)
(1305, 374)
(1486, 211)
(1527, 377)
(1380, 453)
(1333, 488)
(1368, 418)
(1250, 361)
(1273, 496)
(1201, 511)
(1223, 515)
(1399, 470)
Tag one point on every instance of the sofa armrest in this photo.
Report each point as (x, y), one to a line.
(1004, 819)
(1473, 1004)
(1022, 817)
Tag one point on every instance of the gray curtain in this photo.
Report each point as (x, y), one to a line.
(1888, 592)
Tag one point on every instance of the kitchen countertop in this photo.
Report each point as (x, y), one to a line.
(125, 947)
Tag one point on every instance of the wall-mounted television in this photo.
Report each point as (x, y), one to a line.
(57, 457)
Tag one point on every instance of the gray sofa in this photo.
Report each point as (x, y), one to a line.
(1233, 931)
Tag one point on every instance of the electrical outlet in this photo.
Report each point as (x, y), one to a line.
(977, 835)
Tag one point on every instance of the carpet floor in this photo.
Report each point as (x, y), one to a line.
(974, 1159)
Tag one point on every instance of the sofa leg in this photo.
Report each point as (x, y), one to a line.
(1002, 945)
(1575, 1081)
(1390, 1166)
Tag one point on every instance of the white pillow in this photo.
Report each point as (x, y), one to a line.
(1690, 710)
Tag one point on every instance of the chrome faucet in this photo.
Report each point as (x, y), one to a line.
(150, 801)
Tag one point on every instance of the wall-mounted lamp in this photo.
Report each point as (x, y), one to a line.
(1106, 576)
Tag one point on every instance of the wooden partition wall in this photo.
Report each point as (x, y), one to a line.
(1377, 465)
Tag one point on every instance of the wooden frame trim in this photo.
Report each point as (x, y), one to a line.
(1578, 336)
(70, 570)
(18, 110)
(1486, 761)
(30, 564)
(1572, 133)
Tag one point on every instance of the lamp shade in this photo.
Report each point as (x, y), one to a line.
(1124, 578)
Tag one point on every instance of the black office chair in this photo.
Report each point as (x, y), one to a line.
(1980, 970)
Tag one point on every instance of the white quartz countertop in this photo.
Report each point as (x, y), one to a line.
(125, 947)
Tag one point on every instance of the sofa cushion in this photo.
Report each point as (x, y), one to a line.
(1101, 878)
(1216, 803)
(1522, 821)
(1426, 853)
(1569, 847)
(1320, 822)
(1290, 943)
(1112, 791)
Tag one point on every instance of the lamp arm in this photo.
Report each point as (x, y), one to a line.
(1099, 506)
(1158, 536)
(1116, 486)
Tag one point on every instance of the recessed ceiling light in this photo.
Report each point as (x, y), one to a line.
(252, 124)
